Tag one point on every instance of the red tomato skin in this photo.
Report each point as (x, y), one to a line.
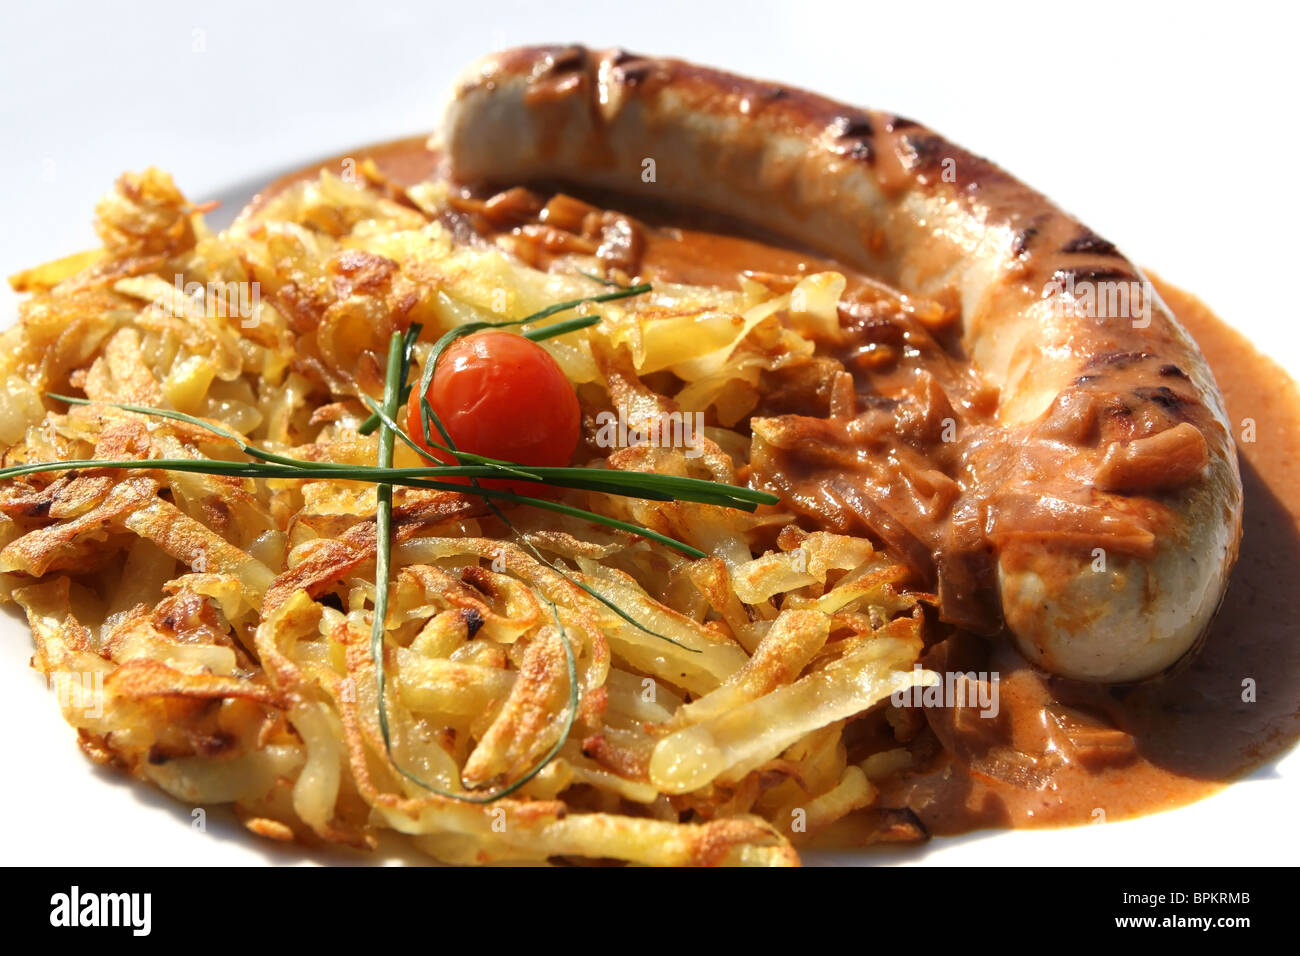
(503, 396)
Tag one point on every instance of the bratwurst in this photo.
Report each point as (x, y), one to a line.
(1106, 495)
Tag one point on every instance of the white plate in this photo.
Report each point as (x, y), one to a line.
(1167, 136)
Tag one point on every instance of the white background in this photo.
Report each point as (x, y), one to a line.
(1169, 129)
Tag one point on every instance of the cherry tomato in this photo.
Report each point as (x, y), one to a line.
(503, 396)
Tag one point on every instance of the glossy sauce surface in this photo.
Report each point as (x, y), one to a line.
(1060, 752)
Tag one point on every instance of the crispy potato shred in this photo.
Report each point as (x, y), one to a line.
(211, 634)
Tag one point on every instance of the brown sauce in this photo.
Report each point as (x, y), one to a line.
(1191, 731)
(1061, 751)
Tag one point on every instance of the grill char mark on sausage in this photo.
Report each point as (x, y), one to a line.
(1020, 244)
(1078, 274)
(1089, 242)
(852, 133)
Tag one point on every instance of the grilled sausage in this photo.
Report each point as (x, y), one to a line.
(1108, 420)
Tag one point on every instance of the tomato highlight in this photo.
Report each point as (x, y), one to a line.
(501, 395)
